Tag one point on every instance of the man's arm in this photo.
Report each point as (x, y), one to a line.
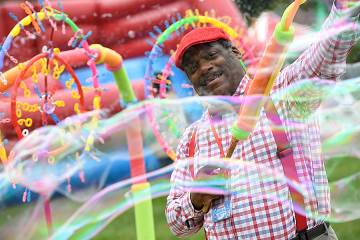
(181, 216)
(325, 59)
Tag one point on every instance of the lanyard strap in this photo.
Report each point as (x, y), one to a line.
(217, 138)
(192, 152)
(192, 146)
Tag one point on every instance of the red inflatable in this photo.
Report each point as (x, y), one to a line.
(111, 102)
(120, 25)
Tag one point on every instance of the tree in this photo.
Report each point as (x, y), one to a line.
(251, 9)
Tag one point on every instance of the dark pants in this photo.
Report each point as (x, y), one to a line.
(329, 235)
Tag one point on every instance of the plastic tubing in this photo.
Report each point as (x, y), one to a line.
(268, 70)
(113, 62)
(144, 220)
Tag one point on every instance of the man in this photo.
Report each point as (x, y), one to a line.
(211, 63)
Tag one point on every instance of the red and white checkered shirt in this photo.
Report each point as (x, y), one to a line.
(260, 206)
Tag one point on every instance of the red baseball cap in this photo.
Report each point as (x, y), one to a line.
(198, 36)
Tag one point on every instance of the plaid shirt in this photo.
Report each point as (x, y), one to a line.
(261, 206)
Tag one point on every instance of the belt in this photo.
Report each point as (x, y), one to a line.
(312, 233)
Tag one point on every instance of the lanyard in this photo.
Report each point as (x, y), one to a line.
(192, 146)
(217, 138)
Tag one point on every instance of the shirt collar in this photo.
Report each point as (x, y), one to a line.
(242, 86)
(240, 91)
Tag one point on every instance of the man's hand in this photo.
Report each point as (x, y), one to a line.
(208, 174)
(203, 201)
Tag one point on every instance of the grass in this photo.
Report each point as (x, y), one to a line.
(338, 168)
(124, 226)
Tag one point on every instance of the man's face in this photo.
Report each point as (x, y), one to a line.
(213, 69)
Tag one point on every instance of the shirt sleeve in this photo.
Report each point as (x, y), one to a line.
(181, 216)
(325, 59)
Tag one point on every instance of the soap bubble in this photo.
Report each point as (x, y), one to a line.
(87, 189)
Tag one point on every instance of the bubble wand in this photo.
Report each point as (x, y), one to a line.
(267, 72)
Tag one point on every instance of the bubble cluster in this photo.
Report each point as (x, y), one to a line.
(81, 168)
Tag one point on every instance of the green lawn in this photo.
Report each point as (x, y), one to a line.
(338, 168)
(123, 227)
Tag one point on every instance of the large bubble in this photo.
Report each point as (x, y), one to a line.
(89, 187)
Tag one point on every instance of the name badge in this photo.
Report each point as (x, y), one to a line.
(221, 209)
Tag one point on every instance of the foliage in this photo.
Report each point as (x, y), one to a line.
(354, 55)
(251, 9)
